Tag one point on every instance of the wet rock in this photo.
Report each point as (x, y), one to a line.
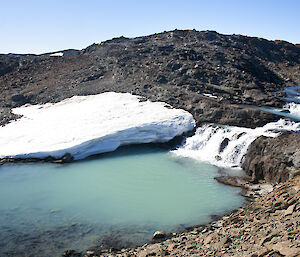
(273, 159)
(159, 235)
(90, 253)
(67, 158)
(223, 144)
(71, 253)
(233, 181)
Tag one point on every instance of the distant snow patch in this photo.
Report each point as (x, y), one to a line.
(57, 54)
(209, 95)
(87, 125)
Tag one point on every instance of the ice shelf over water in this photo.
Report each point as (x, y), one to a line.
(87, 125)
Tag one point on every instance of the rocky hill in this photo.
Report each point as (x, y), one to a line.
(179, 67)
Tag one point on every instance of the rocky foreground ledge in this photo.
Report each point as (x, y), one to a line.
(270, 226)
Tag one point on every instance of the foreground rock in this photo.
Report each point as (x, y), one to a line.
(270, 226)
(273, 159)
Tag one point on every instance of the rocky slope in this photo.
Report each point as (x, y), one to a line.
(177, 67)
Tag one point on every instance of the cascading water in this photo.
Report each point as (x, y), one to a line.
(225, 146)
(294, 109)
(292, 94)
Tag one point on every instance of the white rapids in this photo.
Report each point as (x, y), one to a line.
(88, 125)
(226, 146)
(294, 109)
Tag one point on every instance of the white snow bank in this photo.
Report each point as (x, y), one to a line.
(87, 125)
(57, 54)
(226, 146)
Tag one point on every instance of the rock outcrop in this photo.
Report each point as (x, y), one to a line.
(273, 159)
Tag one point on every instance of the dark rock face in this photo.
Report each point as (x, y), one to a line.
(20, 99)
(176, 67)
(223, 144)
(273, 159)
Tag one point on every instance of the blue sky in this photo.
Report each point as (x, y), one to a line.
(38, 26)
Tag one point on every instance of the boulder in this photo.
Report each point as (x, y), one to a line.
(159, 235)
(20, 99)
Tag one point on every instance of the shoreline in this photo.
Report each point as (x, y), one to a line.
(164, 146)
(233, 233)
(249, 190)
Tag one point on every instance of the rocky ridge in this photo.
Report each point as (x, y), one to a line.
(179, 67)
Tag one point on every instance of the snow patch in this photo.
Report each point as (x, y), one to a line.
(87, 125)
(57, 54)
(209, 95)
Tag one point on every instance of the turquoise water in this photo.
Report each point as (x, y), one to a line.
(138, 188)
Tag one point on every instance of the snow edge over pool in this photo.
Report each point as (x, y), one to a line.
(89, 125)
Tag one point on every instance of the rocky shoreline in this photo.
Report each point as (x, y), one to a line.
(267, 227)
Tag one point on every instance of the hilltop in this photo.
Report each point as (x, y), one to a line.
(180, 67)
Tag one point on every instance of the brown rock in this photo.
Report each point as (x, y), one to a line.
(286, 249)
(290, 210)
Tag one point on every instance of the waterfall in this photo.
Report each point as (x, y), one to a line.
(294, 109)
(226, 146)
